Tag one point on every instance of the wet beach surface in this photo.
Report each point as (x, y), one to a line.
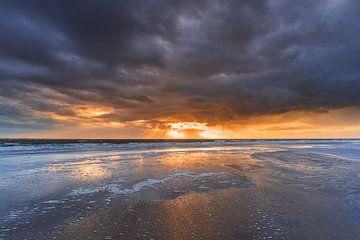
(303, 189)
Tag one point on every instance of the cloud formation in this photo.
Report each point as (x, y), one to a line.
(161, 61)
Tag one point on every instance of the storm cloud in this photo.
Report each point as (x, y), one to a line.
(154, 60)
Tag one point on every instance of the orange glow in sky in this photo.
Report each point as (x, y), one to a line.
(91, 123)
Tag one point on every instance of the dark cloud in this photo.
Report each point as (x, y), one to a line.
(209, 61)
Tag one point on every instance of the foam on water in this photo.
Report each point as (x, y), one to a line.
(117, 188)
(53, 202)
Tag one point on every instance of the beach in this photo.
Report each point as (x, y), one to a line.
(228, 189)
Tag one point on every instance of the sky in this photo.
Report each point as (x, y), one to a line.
(180, 69)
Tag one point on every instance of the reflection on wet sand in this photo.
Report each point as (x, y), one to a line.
(187, 216)
(222, 214)
(216, 192)
(90, 172)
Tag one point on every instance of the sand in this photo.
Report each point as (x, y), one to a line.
(213, 190)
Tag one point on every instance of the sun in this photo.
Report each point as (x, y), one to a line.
(186, 130)
(176, 133)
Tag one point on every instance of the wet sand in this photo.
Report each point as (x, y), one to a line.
(237, 190)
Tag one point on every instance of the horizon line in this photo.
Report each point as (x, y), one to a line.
(175, 139)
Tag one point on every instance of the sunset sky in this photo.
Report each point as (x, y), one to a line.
(180, 69)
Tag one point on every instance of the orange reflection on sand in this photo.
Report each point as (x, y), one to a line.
(209, 158)
(187, 216)
(85, 172)
(201, 215)
(186, 160)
